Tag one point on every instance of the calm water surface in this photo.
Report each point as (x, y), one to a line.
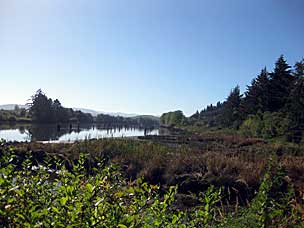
(23, 133)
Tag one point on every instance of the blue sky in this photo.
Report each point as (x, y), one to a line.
(141, 56)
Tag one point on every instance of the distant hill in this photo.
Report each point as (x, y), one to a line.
(121, 114)
(95, 113)
(85, 110)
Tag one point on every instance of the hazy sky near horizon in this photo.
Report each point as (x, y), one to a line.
(142, 56)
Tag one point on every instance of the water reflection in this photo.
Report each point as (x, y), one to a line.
(45, 132)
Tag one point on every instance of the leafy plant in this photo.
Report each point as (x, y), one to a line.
(39, 196)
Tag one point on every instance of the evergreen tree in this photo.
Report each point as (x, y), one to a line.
(45, 110)
(299, 69)
(60, 113)
(281, 81)
(195, 116)
(219, 104)
(41, 108)
(257, 94)
(295, 104)
(231, 115)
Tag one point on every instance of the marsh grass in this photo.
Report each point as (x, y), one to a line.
(129, 183)
(222, 161)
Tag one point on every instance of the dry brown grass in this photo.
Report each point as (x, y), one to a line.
(295, 169)
(230, 161)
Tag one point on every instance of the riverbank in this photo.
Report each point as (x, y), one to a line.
(193, 163)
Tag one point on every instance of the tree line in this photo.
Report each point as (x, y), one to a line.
(138, 121)
(16, 115)
(272, 105)
(45, 110)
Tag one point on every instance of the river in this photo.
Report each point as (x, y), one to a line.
(66, 133)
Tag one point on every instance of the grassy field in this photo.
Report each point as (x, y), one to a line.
(194, 180)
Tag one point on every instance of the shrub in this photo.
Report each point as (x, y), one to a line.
(252, 126)
(267, 125)
(39, 196)
(275, 124)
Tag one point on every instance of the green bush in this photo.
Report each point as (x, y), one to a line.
(267, 125)
(38, 196)
(252, 126)
(275, 125)
(173, 118)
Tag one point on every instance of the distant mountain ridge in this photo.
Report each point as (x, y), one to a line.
(95, 113)
(85, 110)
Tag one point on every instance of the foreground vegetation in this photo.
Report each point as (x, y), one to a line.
(211, 182)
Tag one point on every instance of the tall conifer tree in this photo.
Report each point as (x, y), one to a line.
(231, 112)
(281, 81)
(257, 94)
(295, 105)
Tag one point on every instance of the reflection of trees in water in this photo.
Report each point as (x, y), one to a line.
(46, 132)
(22, 129)
(112, 129)
(54, 132)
